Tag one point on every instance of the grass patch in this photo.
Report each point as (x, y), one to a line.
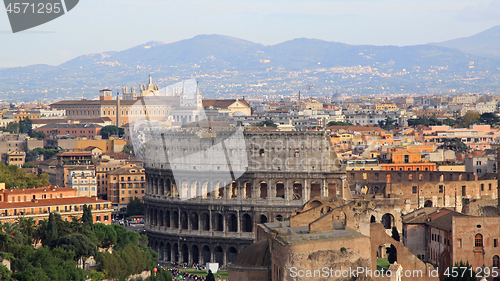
(222, 274)
(383, 262)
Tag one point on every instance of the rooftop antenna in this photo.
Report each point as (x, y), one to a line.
(309, 87)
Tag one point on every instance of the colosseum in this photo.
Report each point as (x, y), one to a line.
(197, 212)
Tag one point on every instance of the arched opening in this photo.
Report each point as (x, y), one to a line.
(161, 252)
(155, 181)
(162, 187)
(218, 223)
(155, 218)
(478, 242)
(374, 190)
(428, 203)
(185, 253)
(263, 219)
(279, 218)
(496, 261)
(161, 217)
(167, 218)
(193, 191)
(386, 254)
(207, 254)
(232, 253)
(280, 190)
(246, 223)
(219, 255)
(219, 191)
(194, 221)
(332, 190)
(175, 190)
(168, 186)
(205, 222)
(168, 252)
(263, 190)
(232, 223)
(175, 219)
(248, 190)
(372, 219)
(176, 253)
(234, 190)
(314, 204)
(184, 220)
(195, 254)
(297, 191)
(388, 221)
(315, 190)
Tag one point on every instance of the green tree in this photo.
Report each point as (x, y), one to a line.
(87, 219)
(28, 228)
(112, 130)
(395, 234)
(455, 144)
(460, 272)
(5, 273)
(26, 126)
(489, 118)
(80, 244)
(337, 123)
(135, 207)
(38, 135)
(266, 123)
(392, 254)
(106, 235)
(470, 117)
(13, 127)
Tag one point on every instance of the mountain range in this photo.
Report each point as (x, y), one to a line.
(217, 60)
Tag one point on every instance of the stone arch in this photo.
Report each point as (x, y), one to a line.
(185, 253)
(184, 189)
(234, 189)
(161, 252)
(231, 254)
(248, 190)
(194, 220)
(263, 219)
(167, 218)
(160, 218)
(175, 190)
(280, 189)
(168, 186)
(279, 217)
(219, 255)
(175, 252)
(263, 190)
(297, 191)
(388, 220)
(218, 223)
(315, 189)
(219, 190)
(207, 254)
(195, 254)
(193, 191)
(428, 203)
(155, 217)
(246, 223)
(372, 219)
(384, 251)
(162, 187)
(375, 189)
(184, 220)
(315, 203)
(232, 223)
(155, 183)
(175, 219)
(168, 252)
(205, 222)
(205, 190)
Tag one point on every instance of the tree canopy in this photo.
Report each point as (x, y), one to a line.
(112, 130)
(14, 177)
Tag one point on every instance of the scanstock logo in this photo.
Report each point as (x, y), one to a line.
(25, 14)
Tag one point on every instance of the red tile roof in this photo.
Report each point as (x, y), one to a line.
(52, 202)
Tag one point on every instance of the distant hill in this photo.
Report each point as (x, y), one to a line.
(218, 60)
(486, 43)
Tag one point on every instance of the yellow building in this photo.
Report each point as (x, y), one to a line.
(107, 146)
(386, 106)
(14, 158)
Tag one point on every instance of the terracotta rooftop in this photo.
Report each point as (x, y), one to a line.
(33, 190)
(52, 202)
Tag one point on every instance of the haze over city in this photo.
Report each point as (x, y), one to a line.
(100, 26)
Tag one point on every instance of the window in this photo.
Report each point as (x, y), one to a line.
(459, 243)
(407, 158)
(441, 188)
(489, 186)
(495, 243)
(482, 187)
(478, 241)
(106, 218)
(414, 189)
(463, 190)
(97, 218)
(496, 261)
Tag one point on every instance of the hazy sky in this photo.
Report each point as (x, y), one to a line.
(112, 25)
